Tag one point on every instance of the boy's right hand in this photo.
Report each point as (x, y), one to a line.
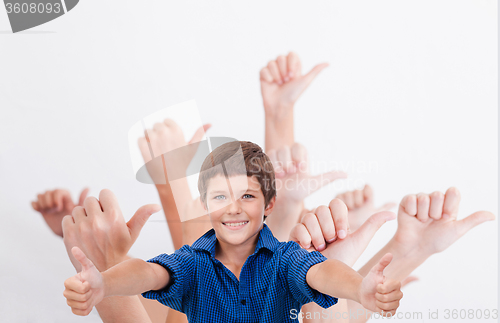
(85, 289)
(282, 83)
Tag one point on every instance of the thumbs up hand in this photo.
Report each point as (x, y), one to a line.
(379, 294)
(54, 205)
(321, 231)
(293, 181)
(293, 184)
(361, 206)
(86, 289)
(99, 230)
(163, 138)
(282, 83)
(427, 223)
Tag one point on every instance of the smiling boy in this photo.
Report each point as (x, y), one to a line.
(237, 271)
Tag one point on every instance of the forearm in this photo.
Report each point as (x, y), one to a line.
(335, 314)
(122, 309)
(279, 129)
(404, 261)
(131, 309)
(133, 277)
(171, 213)
(334, 278)
(285, 215)
(359, 314)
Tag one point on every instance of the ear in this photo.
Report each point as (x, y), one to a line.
(270, 206)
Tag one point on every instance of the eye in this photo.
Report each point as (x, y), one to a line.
(219, 197)
(250, 196)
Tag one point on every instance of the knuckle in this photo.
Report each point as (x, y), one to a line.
(308, 217)
(437, 195)
(77, 209)
(421, 197)
(322, 209)
(338, 203)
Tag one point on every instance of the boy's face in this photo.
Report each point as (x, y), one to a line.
(236, 207)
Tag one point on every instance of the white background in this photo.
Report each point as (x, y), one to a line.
(412, 87)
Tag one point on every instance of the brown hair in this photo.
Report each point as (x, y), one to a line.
(229, 156)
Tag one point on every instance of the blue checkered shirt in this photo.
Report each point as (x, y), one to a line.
(272, 282)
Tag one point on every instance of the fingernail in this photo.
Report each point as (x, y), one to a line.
(342, 234)
(287, 79)
(290, 74)
(331, 240)
(321, 247)
(279, 82)
(446, 216)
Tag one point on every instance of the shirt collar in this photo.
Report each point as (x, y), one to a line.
(209, 239)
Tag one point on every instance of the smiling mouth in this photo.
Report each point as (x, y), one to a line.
(235, 224)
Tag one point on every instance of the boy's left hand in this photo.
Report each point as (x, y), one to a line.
(379, 294)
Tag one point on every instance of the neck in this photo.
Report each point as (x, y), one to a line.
(236, 254)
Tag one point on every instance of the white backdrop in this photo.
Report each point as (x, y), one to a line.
(411, 88)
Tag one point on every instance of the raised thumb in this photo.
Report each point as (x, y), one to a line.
(367, 230)
(387, 207)
(408, 280)
(309, 77)
(81, 258)
(198, 135)
(473, 220)
(140, 217)
(314, 183)
(384, 262)
(83, 195)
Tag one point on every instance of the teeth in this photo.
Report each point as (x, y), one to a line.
(235, 224)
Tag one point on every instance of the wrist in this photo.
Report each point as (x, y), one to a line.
(405, 260)
(107, 265)
(106, 284)
(292, 208)
(400, 250)
(278, 112)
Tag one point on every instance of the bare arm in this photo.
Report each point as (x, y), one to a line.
(333, 277)
(427, 224)
(282, 83)
(171, 213)
(122, 309)
(133, 277)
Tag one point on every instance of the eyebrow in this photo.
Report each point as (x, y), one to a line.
(218, 191)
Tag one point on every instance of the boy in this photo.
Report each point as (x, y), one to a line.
(237, 271)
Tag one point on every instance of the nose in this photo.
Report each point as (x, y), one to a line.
(234, 207)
